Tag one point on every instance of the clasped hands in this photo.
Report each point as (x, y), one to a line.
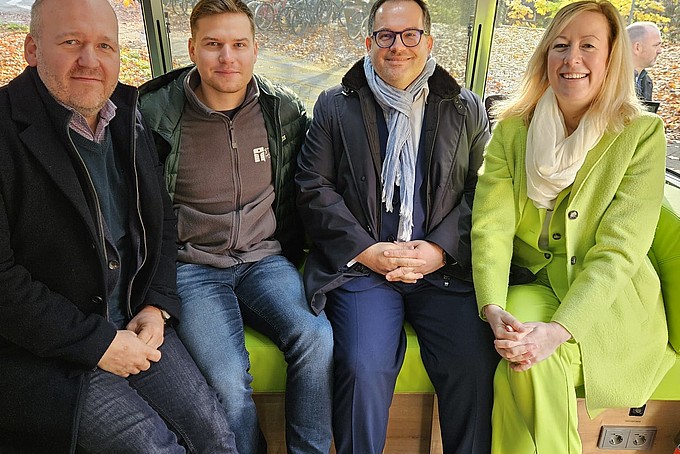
(403, 262)
(523, 344)
(135, 347)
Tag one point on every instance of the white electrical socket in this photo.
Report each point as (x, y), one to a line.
(641, 438)
(626, 437)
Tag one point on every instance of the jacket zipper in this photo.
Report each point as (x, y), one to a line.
(233, 149)
(430, 152)
(100, 222)
(276, 152)
(143, 245)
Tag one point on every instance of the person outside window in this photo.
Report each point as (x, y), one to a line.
(645, 40)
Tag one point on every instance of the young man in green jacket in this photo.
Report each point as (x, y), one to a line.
(231, 139)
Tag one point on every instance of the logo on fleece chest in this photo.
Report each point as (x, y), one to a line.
(261, 154)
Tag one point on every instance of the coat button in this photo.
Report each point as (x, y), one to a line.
(114, 264)
(573, 260)
(447, 280)
(573, 214)
(97, 299)
(363, 178)
(547, 255)
(390, 238)
(557, 236)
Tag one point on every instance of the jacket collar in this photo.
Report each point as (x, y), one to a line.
(166, 98)
(441, 83)
(593, 158)
(176, 75)
(25, 108)
(42, 125)
(176, 78)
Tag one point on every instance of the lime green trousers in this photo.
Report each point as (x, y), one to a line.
(535, 411)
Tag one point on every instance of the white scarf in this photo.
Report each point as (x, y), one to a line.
(553, 158)
(399, 167)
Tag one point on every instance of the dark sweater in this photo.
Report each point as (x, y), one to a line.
(106, 171)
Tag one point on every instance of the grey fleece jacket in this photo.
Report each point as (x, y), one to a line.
(224, 192)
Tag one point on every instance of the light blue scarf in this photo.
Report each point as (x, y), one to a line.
(399, 167)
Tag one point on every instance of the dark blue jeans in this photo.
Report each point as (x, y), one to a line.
(144, 413)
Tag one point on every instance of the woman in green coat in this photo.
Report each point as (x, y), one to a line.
(571, 189)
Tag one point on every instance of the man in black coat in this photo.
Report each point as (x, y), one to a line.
(645, 40)
(87, 258)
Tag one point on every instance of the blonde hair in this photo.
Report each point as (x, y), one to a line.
(616, 103)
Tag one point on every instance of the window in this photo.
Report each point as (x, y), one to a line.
(308, 45)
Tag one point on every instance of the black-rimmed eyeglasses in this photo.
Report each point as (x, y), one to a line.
(410, 37)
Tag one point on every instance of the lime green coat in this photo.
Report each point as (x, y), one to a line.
(612, 304)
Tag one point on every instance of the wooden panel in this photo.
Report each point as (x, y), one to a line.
(408, 432)
(410, 426)
(414, 425)
(436, 438)
(270, 412)
(664, 415)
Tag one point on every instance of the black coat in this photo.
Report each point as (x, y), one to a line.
(339, 176)
(645, 87)
(53, 328)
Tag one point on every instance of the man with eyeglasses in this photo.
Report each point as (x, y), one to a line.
(387, 176)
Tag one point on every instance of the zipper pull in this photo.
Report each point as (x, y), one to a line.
(232, 137)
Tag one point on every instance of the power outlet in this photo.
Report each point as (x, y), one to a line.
(613, 437)
(626, 437)
(641, 438)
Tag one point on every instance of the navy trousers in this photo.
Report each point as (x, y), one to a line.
(456, 347)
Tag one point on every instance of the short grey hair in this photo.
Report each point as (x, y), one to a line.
(36, 19)
(639, 30)
(34, 26)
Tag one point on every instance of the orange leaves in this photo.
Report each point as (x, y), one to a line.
(11, 54)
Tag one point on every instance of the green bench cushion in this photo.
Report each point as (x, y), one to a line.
(268, 367)
(668, 389)
(665, 256)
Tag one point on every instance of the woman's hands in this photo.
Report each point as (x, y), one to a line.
(523, 344)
